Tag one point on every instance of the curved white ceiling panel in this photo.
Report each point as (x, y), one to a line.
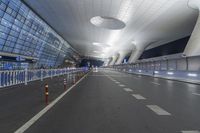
(133, 20)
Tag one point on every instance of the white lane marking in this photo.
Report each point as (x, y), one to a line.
(24, 127)
(197, 94)
(139, 97)
(194, 131)
(117, 82)
(155, 83)
(97, 75)
(121, 85)
(158, 110)
(128, 89)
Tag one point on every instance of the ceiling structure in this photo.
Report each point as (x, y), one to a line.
(101, 28)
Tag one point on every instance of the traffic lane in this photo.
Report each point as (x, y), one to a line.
(194, 88)
(19, 103)
(99, 105)
(177, 98)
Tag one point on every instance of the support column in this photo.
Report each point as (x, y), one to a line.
(122, 55)
(193, 46)
(110, 60)
(106, 62)
(114, 58)
(137, 52)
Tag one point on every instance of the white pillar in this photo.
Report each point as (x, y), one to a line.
(137, 52)
(114, 58)
(122, 55)
(106, 62)
(193, 46)
(110, 60)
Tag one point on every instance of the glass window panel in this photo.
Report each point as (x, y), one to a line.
(2, 41)
(7, 49)
(3, 35)
(3, 6)
(8, 10)
(23, 32)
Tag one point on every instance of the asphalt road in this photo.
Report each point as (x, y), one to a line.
(21, 102)
(115, 102)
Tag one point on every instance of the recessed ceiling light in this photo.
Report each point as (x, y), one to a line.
(96, 44)
(96, 51)
(100, 44)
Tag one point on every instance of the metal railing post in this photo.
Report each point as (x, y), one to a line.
(41, 74)
(26, 76)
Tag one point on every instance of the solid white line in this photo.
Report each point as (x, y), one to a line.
(158, 110)
(96, 75)
(197, 94)
(121, 85)
(24, 127)
(139, 97)
(117, 82)
(193, 131)
(155, 83)
(128, 89)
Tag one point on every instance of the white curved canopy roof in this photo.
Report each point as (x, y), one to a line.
(156, 21)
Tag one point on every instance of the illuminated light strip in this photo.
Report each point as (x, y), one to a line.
(170, 73)
(192, 74)
(156, 72)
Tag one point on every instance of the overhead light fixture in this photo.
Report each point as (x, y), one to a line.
(96, 43)
(100, 44)
(192, 74)
(125, 11)
(96, 51)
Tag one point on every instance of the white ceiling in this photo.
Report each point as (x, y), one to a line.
(146, 20)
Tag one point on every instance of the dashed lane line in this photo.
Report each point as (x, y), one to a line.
(193, 131)
(128, 89)
(138, 96)
(158, 110)
(197, 94)
(24, 127)
(121, 85)
(155, 83)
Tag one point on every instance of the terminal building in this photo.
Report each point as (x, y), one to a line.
(99, 66)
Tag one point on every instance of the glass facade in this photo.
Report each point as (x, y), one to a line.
(22, 32)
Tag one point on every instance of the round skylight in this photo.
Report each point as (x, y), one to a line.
(107, 22)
